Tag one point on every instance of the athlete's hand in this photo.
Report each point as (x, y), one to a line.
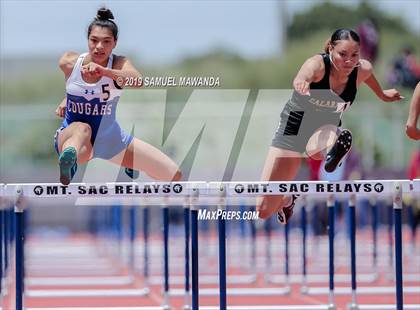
(301, 86)
(390, 95)
(93, 70)
(61, 109)
(412, 131)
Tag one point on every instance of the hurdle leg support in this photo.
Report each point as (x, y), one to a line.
(331, 233)
(304, 288)
(374, 214)
(165, 211)
(398, 246)
(352, 209)
(194, 250)
(146, 247)
(222, 250)
(187, 301)
(19, 247)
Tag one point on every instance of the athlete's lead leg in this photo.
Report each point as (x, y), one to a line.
(74, 145)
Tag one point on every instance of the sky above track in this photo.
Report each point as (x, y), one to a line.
(163, 31)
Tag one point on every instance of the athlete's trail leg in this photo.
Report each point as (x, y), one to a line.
(144, 157)
(280, 165)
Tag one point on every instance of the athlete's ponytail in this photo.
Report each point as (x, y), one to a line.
(104, 14)
(104, 18)
(327, 46)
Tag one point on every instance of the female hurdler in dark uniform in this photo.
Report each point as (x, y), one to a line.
(324, 88)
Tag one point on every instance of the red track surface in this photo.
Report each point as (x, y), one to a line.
(155, 297)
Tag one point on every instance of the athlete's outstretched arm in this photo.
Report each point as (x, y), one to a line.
(366, 75)
(308, 73)
(66, 64)
(123, 70)
(411, 128)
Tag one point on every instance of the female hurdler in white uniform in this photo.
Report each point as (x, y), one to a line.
(89, 128)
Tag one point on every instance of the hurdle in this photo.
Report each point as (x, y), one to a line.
(304, 278)
(318, 278)
(403, 186)
(97, 270)
(218, 192)
(2, 202)
(6, 240)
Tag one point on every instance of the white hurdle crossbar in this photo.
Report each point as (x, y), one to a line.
(220, 193)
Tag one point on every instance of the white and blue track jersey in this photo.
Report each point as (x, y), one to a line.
(95, 104)
(91, 103)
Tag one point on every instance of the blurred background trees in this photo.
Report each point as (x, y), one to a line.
(34, 81)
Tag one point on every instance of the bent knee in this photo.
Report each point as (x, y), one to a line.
(83, 129)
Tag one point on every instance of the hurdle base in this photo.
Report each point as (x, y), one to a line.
(282, 307)
(79, 281)
(353, 307)
(363, 290)
(406, 277)
(166, 305)
(206, 279)
(269, 291)
(332, 307)
(5, 285)
(304, 290)
(187, 299)
(318, 278)
(104, 293)
(388, 307)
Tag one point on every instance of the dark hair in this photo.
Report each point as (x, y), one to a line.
(103, 19)
(341, 34)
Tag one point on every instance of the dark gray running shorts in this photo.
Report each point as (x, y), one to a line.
(298, 122)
